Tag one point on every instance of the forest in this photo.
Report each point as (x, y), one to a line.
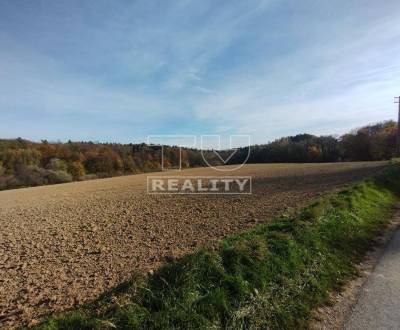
(24, 163)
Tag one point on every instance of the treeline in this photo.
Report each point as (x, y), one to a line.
(24, 163)
(372, 142)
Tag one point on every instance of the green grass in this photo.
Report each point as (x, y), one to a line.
(269, 277)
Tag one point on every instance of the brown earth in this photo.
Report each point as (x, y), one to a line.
(63, 245)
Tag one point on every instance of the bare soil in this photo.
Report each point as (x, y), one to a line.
(63, 245)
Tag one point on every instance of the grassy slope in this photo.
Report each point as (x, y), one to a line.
(271, 276)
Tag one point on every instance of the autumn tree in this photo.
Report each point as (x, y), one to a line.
(77, 170)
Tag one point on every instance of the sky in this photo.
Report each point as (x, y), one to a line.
(118, 71)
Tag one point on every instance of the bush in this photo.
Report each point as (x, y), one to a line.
(3, 183)
(2, 169)
(56, 164)
(31, 176)
(77, 170)
(27, 176)
(90, 177)
(58, 177)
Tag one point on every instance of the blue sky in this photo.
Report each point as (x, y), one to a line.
(120, 70)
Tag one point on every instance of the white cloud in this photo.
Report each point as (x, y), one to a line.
(323, 88)
(266, 68)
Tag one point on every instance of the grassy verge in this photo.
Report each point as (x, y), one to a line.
(269, 277)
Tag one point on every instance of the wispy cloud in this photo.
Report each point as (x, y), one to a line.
(323, 87)
(120, 71)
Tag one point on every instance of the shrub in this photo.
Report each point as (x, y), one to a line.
(58, 177)
(4, 182)
(90, 177)
(2, 169)
(77, 170)
(56, 164)
(31, 176)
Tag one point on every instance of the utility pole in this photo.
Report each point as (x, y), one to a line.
(397, 100)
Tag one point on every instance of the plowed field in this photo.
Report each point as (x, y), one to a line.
(63, 245)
